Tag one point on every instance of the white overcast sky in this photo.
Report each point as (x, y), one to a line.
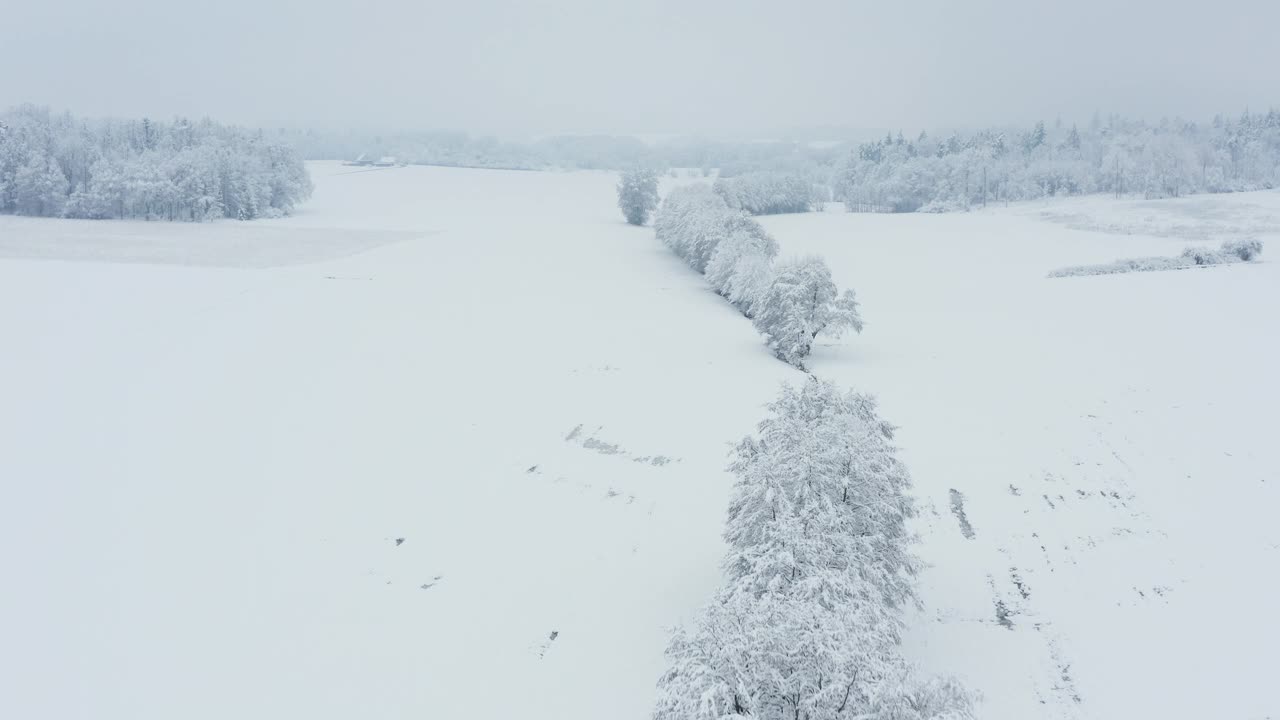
(641, 65)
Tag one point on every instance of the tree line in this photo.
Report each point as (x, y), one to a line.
(1122, 157)
(59, 166)
(790, 303)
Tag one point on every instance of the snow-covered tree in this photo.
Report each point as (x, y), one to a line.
(692, 222)
(39, 187)
(741, 265)
(800, 303)
(819, 571)
(638, 194)
(1246, 249)
(825, 460)
(767, 193)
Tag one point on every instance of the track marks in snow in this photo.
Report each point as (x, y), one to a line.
(957, 509)
(1052, 527)
(545, 645)
(614, 490)
(592, 441)
(1063, 686)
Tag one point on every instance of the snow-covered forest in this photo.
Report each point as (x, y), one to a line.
(55, 165)
(1123, 157)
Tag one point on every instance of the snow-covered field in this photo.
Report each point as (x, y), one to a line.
(450, 443)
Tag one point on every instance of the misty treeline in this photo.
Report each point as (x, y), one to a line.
(1122, 157)
(701, 156)
(818, 572)
(790, 303)
(55, 165)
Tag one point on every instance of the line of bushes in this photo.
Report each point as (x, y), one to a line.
(1231, 251)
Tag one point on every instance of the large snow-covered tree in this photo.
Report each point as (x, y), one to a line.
(819, 569)
(800, 303)
(638, 194)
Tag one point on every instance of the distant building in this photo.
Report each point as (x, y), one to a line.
(363, 160)
(386, 161)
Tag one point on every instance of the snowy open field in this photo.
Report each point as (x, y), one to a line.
(214, 437)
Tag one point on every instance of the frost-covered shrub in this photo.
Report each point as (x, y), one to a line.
(801, 302)
(638, 194)
(1152, 264)
(1246, 249)
(1204, 256)
(1145, 264)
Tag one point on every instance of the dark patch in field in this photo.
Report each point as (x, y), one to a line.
(957, 509)
(601, 446)
(1004, 615)
(1019, 583)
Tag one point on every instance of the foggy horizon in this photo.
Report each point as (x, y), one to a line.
(719, 69)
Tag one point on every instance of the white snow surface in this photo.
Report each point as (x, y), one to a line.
(211, 438)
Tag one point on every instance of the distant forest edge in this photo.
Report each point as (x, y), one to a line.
(1122, 157)
(947, 172)
(59, 166)
(564, 152)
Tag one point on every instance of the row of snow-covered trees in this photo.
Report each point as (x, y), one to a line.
(768, 193)
(790, 303)
(58, 166)
(819, 570)
(1118, 156)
